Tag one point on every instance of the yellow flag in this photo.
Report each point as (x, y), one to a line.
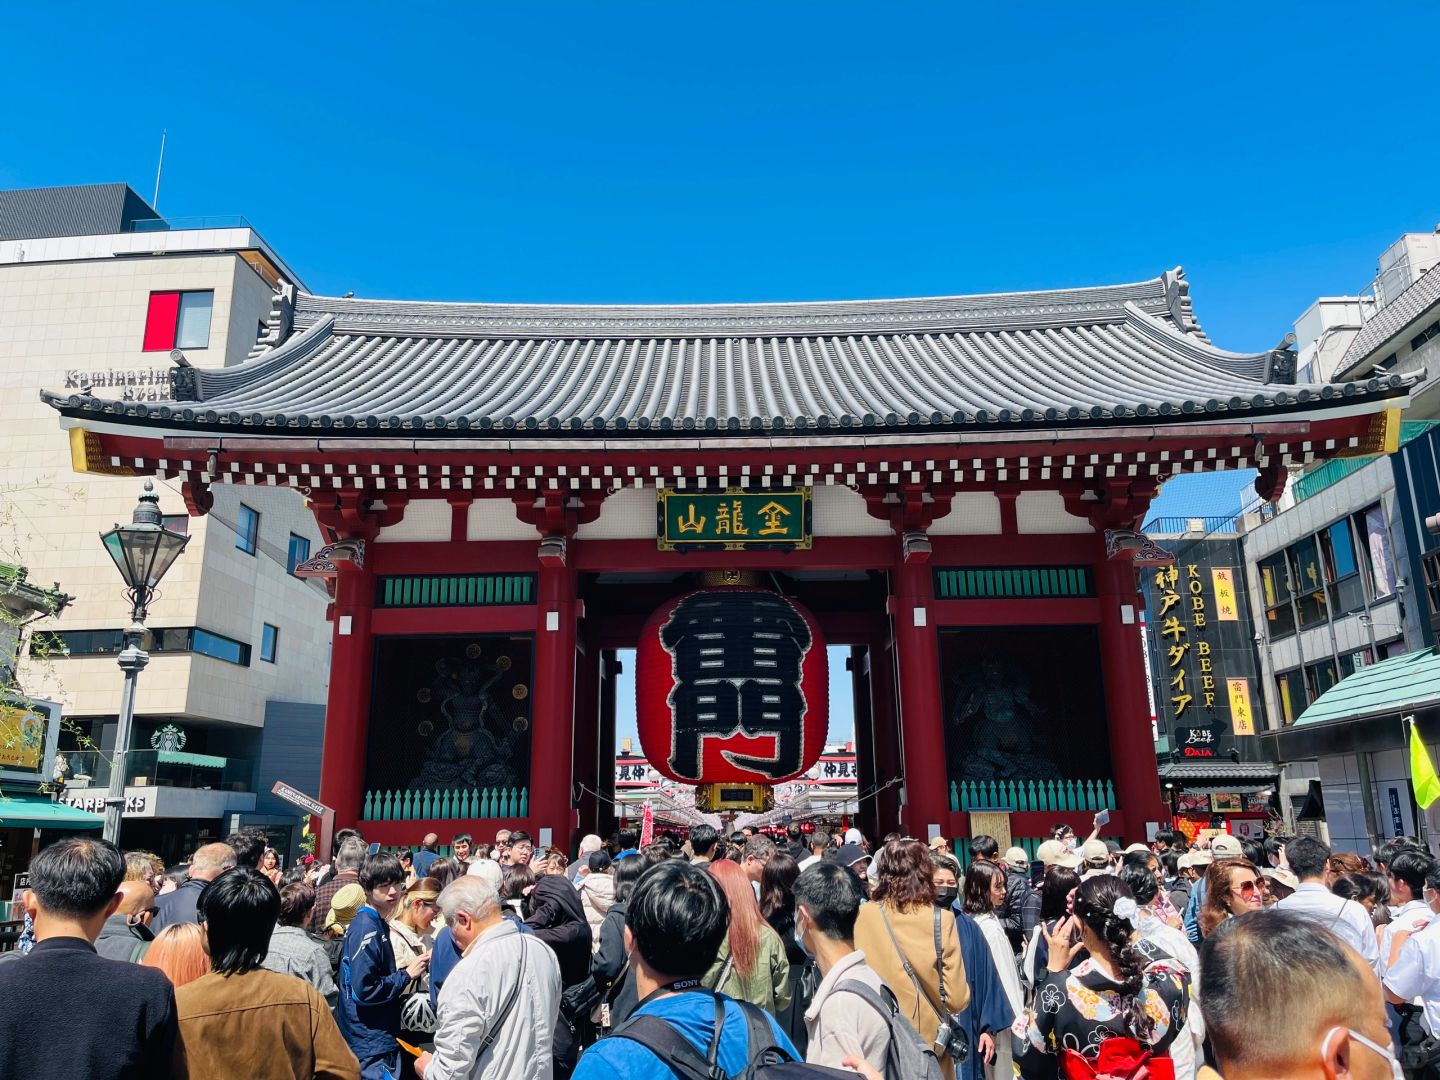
(1422, 770)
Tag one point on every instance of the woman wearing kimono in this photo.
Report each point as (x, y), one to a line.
(984, 894)
(989, 1015)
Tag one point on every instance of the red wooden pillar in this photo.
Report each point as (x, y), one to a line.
(347, 711)
(552, 725)
(922, 732)
(1122, 658)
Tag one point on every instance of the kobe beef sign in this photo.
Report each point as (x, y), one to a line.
(733, 520)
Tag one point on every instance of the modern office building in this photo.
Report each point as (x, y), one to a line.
(99, 291)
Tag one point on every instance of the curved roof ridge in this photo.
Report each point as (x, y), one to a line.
(1036, 308)
(209, 382)
(1195, 347)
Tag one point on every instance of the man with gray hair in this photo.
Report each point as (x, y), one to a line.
(498, 1007)
(758, 850)
(589, 844)
(208, 863)
(348, 860)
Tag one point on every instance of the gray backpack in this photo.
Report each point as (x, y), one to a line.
(908, 1057)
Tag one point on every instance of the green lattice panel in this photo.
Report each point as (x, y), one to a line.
(455, 590)
(1013, 582)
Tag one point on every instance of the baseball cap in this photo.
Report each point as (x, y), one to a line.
(939, 843)
(1054, 853)
(850, 854)
(1226, 847)
(852, 836)
(1016, 858)
(1095, 851)
(1138, 847)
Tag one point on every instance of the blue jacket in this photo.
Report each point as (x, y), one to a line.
(1192, 912)
(422, 860)
(989, 1010)
(370, 987)
(693, 1016)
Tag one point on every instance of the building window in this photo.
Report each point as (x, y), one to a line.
(1308, 582)
(178, 639)
(1425, 335)
(178, 320)
(179, 523)
(1370, 524)
(1350, 663)
(247, 529)
(1431, 563)
(1347, 590)
(269, 635)
(1320, 677)
(220, 648)
(1275, 582)
(1290, 686)
(298, 553)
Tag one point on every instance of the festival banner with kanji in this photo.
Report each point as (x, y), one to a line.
(734, 520)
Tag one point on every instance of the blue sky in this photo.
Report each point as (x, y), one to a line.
(686, 152)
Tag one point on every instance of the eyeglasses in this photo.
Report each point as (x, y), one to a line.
(1248, 888)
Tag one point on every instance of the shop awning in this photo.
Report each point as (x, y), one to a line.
(200, 761)
(1215, 777)
(26, 811)
(1391, 687)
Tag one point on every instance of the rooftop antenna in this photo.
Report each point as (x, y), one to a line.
(155, 202)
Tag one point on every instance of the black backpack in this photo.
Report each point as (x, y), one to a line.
(767, 1060)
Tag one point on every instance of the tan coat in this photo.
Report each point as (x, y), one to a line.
(259, 1026)
(915, 930)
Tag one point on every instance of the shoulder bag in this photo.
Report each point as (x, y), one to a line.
(950, 1036)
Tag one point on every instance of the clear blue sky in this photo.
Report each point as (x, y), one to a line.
(664, 151)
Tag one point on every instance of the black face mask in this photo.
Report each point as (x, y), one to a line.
(947, 896)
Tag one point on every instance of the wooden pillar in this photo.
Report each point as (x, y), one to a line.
(885, 730)
(609, 673)
(552, 732)
(867, 819)
(347, 710)
(1132, 749)
(589, 758)
(922, 732)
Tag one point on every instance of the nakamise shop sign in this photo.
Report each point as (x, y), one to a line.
(28, 733)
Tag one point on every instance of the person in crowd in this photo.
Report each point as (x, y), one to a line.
(242, 1021)
(1056, 893)
(983, 898)
(145, 866)
(1342, 862)
(426, 854)
(838, 1023)
(66, 1011)
(498, 1008)
(1096, 855)
(554, 913)
(1282, 996)
(249, 845)
(1220, 848)
(126, 934)
(857, 860)
(610, 968)
(328, 871)
(1010, 913)
(777, 907)
(1118, 991)
(1406, 872)
(1412, 967)
(180, 952)
(751, 963)
(1020, 895)
(1309, 859)
(597, 892)
(1055, 853)
(795, 845)
(1159, 904)
(820, 844)
(519, 880)
(348, 860)
(293, 951)
(897, 930)
(270, 866)
(988, 1017)
(412, 934)
(1234, 887)
(1165, 936)
(460, 845)
(502, 845)
(407, 863)
(676, 926)
(589, 843)
(175, 876)
(521, 849)
(344, 906)
(446, 870)
(1180, 876)
(703, 839)
(758, 850)
(371, 987)
(207, 864)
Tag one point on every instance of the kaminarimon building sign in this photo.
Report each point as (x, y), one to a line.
(951, 487)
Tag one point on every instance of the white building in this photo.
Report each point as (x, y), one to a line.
(97, 290)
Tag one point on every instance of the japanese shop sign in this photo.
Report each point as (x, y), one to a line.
(734, 520)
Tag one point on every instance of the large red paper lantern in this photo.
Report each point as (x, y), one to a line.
(732, 686)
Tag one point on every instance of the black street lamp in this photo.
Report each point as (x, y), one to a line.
(143, 551)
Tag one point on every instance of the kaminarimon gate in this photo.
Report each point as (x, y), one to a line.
(951, 486)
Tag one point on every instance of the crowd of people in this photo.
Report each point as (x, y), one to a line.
(715, 955)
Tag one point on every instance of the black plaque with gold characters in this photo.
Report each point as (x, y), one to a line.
(450, 713)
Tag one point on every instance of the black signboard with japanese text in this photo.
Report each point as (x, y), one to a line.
(1202, 652)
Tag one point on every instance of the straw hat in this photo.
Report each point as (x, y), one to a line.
(348, 901)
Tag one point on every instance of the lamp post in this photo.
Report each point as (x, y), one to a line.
(143, 551)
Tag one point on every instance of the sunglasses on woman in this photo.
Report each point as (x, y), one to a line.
(1249, 888)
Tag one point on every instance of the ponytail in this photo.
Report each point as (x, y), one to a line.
(1095, 903)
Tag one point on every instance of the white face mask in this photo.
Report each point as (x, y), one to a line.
(1396, 1071)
